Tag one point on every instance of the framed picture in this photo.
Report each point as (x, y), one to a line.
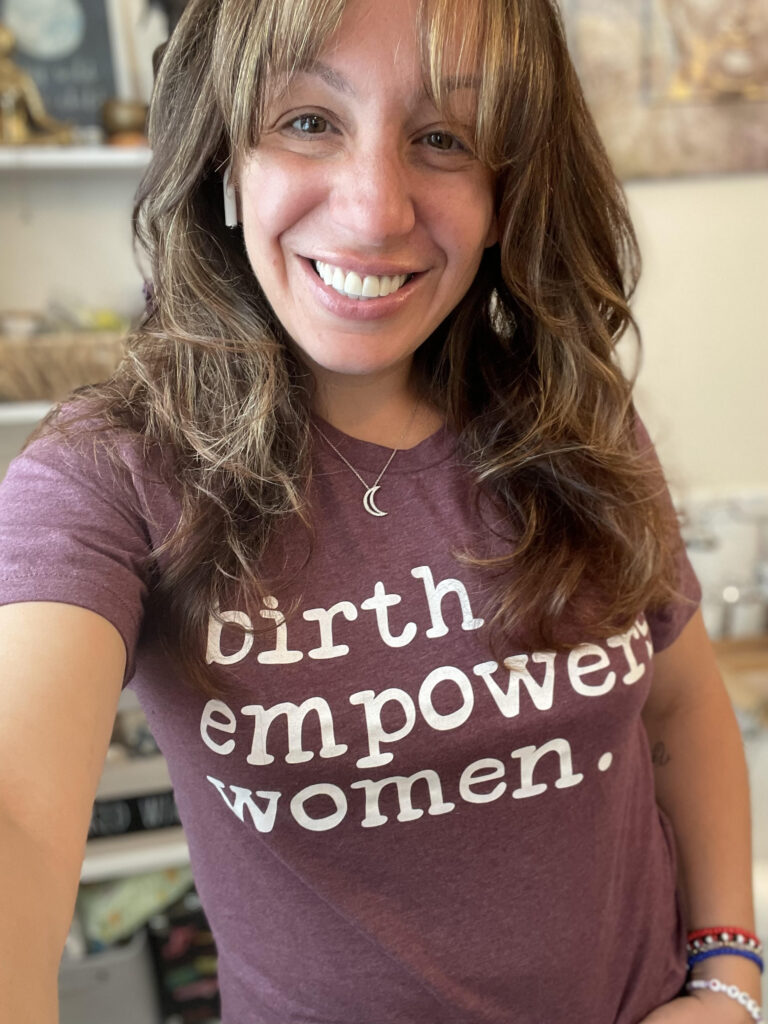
(137, 28)
(67, 47)
(676, 86)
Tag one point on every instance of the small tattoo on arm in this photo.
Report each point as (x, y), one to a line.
(660, 755)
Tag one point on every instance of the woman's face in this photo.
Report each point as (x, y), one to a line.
(364, 216)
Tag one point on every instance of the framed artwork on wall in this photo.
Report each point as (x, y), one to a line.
(67, 48)
(137, 28)
(676, 86)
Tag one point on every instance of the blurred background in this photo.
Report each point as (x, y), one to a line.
(679, 89)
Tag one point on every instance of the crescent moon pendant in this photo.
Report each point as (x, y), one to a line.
(369, 504)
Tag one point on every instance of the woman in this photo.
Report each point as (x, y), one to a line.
(368, 520)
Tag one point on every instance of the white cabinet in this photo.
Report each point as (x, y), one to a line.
(74, 158)
(17, 420)
(65, 236)
(65, 227)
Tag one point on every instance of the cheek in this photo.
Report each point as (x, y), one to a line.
(275, 198)
(466, 238)
(471, 227)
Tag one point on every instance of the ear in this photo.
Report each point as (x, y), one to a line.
(493, 233)
(230, 199)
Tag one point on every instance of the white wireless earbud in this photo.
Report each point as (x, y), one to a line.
(230, 201)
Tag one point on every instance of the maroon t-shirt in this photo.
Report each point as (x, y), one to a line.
(390, 822)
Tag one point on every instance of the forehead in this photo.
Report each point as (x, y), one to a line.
(401, 42)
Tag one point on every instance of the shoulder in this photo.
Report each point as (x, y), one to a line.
(81, 473)
(78, 441)
(83, 509)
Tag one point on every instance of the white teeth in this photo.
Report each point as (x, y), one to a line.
(371, 288)
(357, 287)
(353, 285)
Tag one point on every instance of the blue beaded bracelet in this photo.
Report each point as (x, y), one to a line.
(726, 951)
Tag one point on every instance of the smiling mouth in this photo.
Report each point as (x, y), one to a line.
(355, 286)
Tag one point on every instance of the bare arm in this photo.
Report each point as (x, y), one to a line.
(61, 677)
(701, 783)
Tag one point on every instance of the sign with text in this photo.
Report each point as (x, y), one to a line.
(65, 45)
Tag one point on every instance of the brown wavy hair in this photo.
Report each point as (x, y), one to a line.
(524, 369)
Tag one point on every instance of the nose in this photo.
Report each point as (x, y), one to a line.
(373, 199)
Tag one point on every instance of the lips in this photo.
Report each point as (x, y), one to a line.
(359, 286)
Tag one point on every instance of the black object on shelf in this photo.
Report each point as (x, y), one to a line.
(133, 814)
(185, 959)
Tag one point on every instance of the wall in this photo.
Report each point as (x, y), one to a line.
(703, 309)
(66, 236)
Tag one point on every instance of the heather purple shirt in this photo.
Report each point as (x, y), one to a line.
(388, 823)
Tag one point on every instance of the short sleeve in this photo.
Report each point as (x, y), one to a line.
(668, 621)
(71, 530)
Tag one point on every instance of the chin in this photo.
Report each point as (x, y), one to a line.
(355, 367)
(356, 363)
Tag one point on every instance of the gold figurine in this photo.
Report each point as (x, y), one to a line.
(23, 118)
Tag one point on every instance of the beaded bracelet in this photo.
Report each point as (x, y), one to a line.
(699, 947)
(724, 933)
(711, 936)
(732, 992)
(726, 951)
(694, 948)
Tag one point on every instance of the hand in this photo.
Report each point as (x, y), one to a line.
(699, 1008)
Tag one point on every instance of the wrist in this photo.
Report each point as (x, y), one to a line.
(730, 1004)
(730, 958)
(740, 975)
(733, 970)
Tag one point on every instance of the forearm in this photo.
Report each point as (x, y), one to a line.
(701, 784)
(37, 894)
(59, 700)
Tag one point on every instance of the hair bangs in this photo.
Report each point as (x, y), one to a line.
(261, 46)
(477, 43)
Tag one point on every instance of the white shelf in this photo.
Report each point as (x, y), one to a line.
(134, 853)
(12, 413)
(80, 158)
(134, 776)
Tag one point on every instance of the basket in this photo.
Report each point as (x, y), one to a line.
(48, 366)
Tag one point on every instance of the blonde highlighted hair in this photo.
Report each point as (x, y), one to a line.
(524, 369)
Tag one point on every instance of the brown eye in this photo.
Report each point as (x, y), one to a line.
(442, 140)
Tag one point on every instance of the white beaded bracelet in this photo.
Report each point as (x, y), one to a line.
(733, 992)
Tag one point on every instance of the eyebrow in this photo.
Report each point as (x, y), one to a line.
(337, 81)
(333, 78)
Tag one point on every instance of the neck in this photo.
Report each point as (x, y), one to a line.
(377, 411)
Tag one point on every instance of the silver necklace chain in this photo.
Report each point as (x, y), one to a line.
(370, 490)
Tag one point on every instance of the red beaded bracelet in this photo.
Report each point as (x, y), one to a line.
(713, 942)
(725, 934)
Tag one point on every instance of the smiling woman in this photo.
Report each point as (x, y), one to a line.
(357, 187)
(390, 264)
